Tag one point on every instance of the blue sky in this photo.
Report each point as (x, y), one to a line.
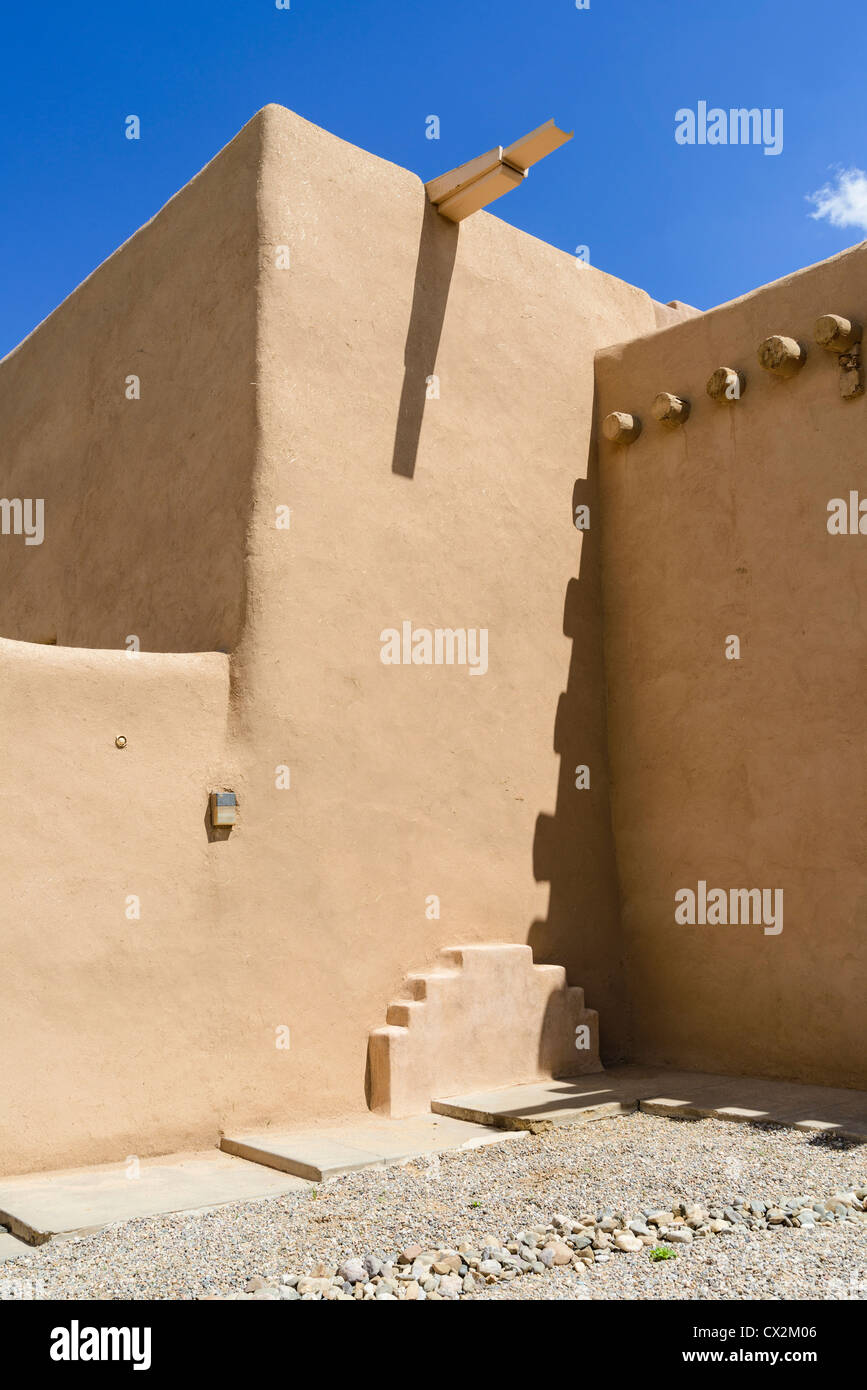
(697, 223)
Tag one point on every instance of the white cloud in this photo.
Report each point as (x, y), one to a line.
(843, 201)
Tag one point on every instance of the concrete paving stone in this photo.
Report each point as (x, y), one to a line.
(39, 1205)
(311, 1156)
(538, 1105)
(367, 1141)
(685, 1095)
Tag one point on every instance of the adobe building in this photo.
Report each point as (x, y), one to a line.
(311, 457)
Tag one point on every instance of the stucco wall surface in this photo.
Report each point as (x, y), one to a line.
(410, 781)
(119, 1014)
(364, 789)
(741, 773)
(145, 500)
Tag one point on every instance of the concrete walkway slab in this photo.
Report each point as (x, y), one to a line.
(680, 1095)
(78, 1200)
(371, 1141)
(540, 1104)
(270, 1163)
(309, 1156)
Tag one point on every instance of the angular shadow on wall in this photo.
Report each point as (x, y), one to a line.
(433, 276)
(573, 850)
(215, 833)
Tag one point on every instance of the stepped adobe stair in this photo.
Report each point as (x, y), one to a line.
(485, 1017)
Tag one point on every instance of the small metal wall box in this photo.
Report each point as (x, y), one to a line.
(224, 809)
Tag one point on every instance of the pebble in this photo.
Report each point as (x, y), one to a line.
(628, 1242)
(660, 1218)
(560, 1253)
(450, 1286)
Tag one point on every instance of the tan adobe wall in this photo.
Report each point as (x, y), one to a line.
(117, 1030)
(146, 500)
(406, 781)
(741, 773)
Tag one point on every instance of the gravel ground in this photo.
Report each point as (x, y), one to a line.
(624, 1163)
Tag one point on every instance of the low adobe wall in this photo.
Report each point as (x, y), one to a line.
(747, 773)
(119, 1014)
